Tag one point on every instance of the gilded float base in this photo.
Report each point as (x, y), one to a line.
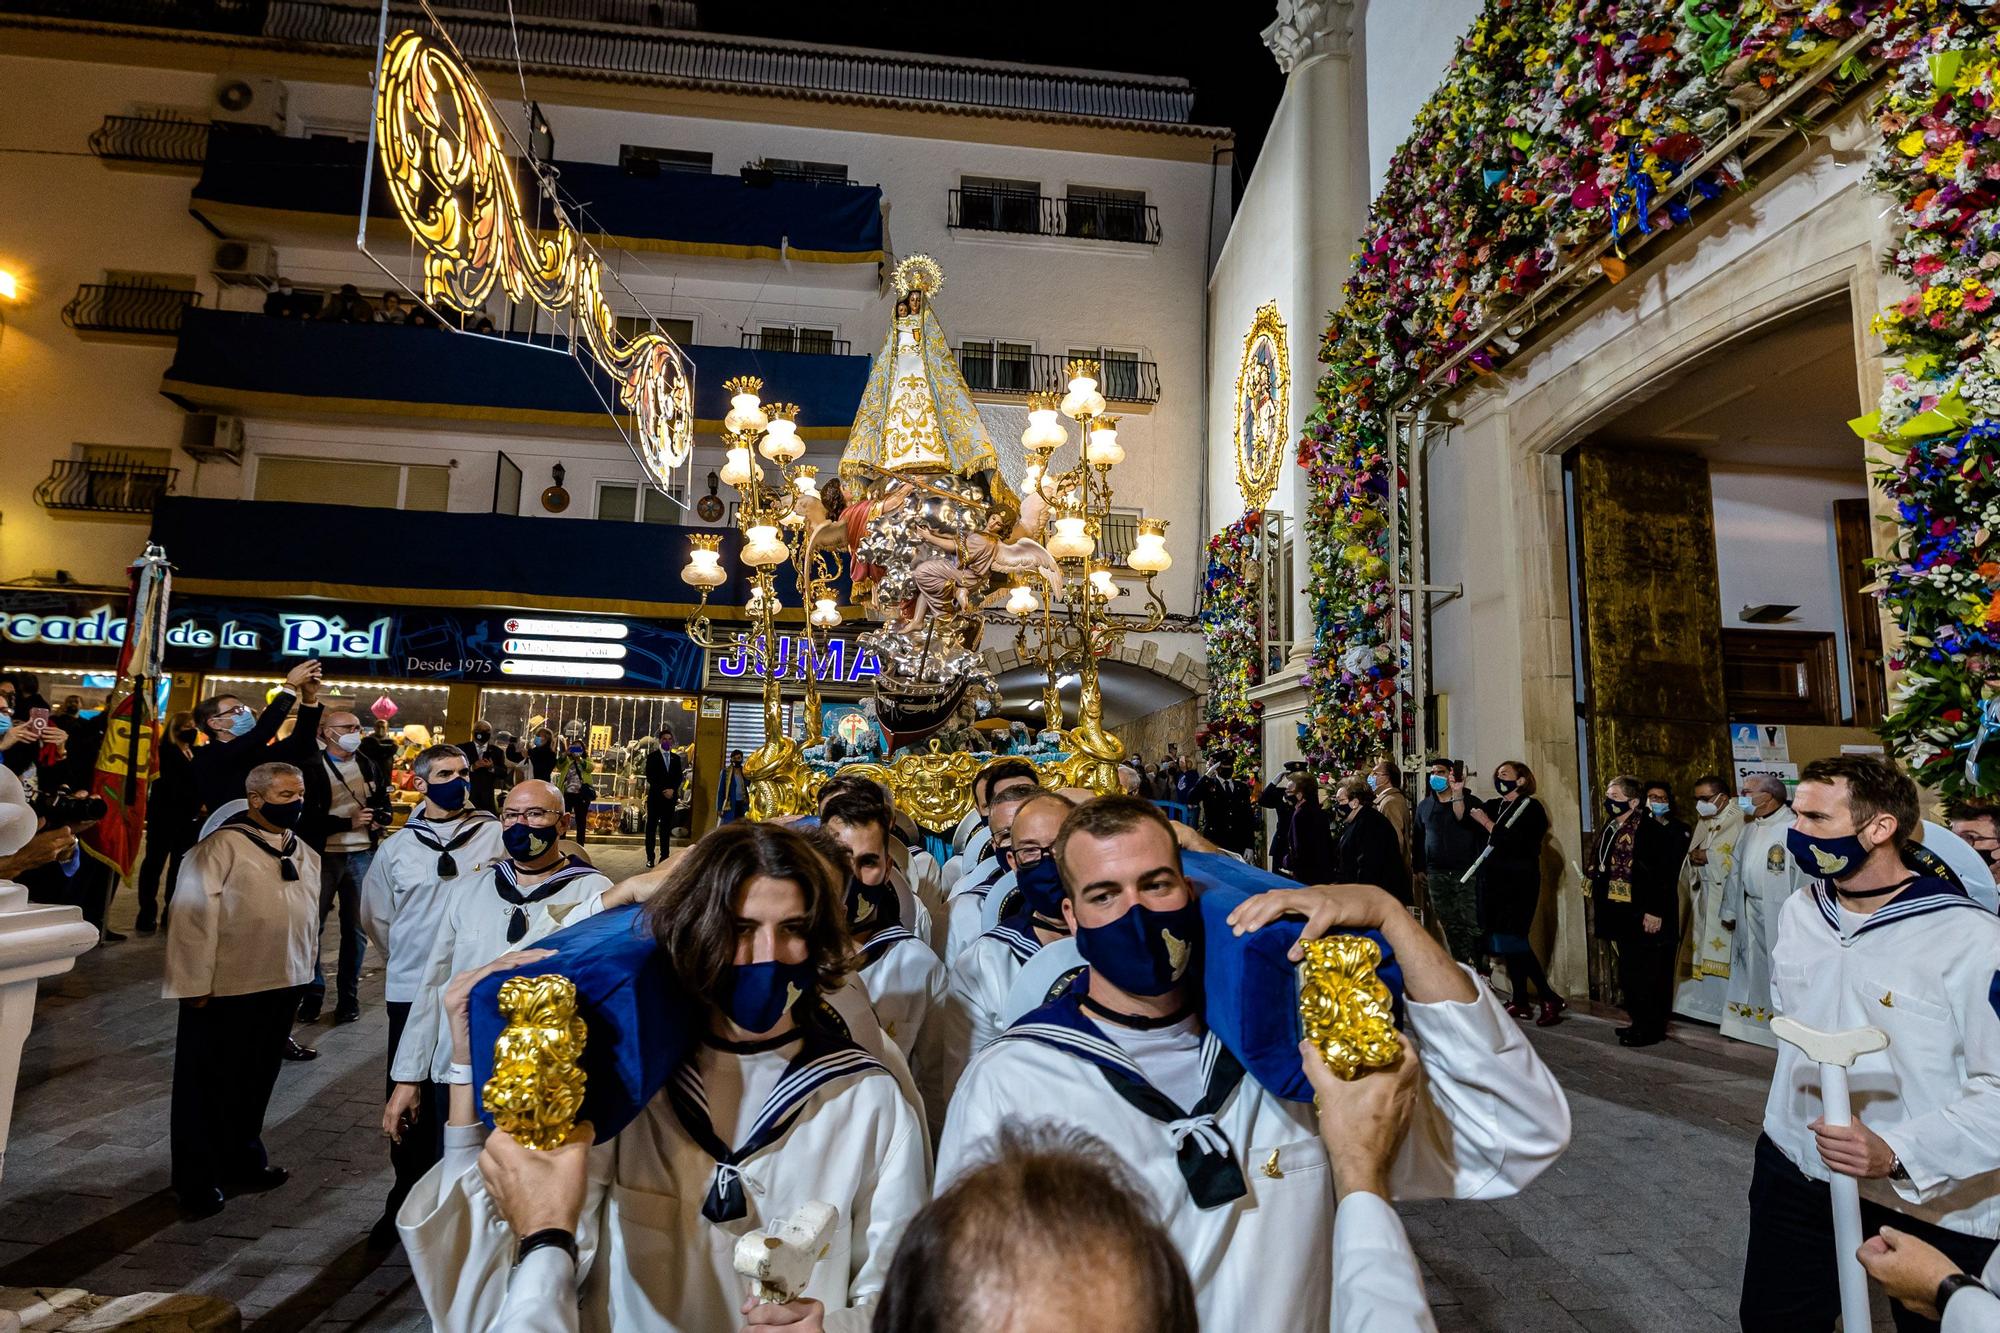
(536, 1091)
(1346, 1010)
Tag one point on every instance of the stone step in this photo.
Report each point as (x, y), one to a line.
(48, 1309)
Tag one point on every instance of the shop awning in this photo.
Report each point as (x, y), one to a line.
(266, 548)
(251, 178)
(252, 363)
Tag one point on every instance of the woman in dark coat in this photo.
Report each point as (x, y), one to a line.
(1510, 886)
(1311, 856)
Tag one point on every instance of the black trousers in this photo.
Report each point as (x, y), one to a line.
(1646, 973)
(423, 1142)
(579, 818)
(1789, 1281)
(226, 1058)
(162, 860)
(660, 814)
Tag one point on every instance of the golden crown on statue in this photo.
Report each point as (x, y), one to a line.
(918, 273)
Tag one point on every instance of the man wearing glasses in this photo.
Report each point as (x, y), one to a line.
(347, 806)
(506, 906)
(1979, 825)
(238, 738)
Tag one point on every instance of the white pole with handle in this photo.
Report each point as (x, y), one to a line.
(1835, 1052)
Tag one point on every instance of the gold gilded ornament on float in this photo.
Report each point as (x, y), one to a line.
(536, 1091)
(1346, 1010)
(453, 185)
(1263, 407)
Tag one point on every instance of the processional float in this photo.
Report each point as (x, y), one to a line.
(933, 524)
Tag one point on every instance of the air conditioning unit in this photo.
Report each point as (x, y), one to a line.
(248, 99)
(209, 438)
(245, 264)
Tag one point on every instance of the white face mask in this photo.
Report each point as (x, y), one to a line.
(1707, 809)
(348, 742)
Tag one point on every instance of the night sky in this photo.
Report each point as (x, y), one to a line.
(1236, 81)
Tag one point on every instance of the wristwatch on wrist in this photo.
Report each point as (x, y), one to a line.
(557, 1238)
(1897, 1171)
(1951, 1286)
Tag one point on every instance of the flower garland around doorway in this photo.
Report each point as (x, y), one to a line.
(1232, 729)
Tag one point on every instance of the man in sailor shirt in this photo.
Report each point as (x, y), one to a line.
(507, 906)
(417, 872)
(245, 912)
(1239, 1176)
(985, 972)
(967, 897)
(903, 979)
(1880, 937)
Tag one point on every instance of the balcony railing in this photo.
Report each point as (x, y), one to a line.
(146, 311)
(1121, 381)
(1080, 217)
(105, 486)
(803, 342)
(162, 140)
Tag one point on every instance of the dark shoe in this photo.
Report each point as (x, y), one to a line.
(294, 1051)
(348, 1013)
(111, 937)
(1551, 1013)
(145, 925)
(309, 1010)
(383, 1235)
(257, 1182)
(1524, 1012)
(197, 1204)
(1649, 1039)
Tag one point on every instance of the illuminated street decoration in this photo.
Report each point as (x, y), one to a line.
(442, 154)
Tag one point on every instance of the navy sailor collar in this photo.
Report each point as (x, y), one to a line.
(1926, 895)
(1063, 1024)
(880, 942)
(1017, 932)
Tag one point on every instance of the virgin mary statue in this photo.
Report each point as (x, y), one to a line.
(916, 417)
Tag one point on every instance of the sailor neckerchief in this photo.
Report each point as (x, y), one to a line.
(826, 1053)
(282, 853)
(880, 942)
(507, 883)
(459, 833)
(1207, 1161)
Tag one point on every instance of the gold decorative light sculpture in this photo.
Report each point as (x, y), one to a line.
(450, 180)
(1263, 407)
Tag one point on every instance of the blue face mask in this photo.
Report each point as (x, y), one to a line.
(1005, 856)
(872, 906)
(1504, 785)
(525, 842)
(448, 794)
(6, 722)
(1440, 783)
(757, 996)
(285, 814)
(1144, 952)
(1659, 808)
(1041, 887)
(1747, 805)
(242, 722)
(1826, 858)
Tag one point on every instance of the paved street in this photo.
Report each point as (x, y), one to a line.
(1639, 1227)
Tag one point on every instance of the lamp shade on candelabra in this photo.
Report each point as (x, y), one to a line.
(1022, 601)
(704, 566)
(736, 468)
(746, 412)
(1104, 449)
(1083, 399)
(1044, 433)
(763, 547)
(825, 613)
(1149, 555)
(1101, 585)
(1071, 541)
(781, 442)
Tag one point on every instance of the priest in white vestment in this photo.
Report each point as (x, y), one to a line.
(1703, 987)
(1764, 876)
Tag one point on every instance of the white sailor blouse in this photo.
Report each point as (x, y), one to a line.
(416, 873)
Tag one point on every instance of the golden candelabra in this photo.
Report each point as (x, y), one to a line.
(771, 515)
(1075, 626)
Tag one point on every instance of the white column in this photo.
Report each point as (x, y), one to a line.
(36, 941)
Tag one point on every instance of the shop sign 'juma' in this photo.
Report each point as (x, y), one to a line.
(841, 662)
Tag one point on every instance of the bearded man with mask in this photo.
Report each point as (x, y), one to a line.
(347, 803)
(1884, 936)
(417, 873)
(1764, 876)
(1238, 1174)
(506, 906)
(245, 910)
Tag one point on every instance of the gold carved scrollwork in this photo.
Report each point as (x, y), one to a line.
(1263, 406)
(781, 782)
(933, 788)
(1346, 1010)
(443, 157)
(536, 1090)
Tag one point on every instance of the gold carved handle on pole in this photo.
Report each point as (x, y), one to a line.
(1346, 1010)
(536, 1091)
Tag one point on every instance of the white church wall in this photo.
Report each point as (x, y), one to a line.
(1408, 45)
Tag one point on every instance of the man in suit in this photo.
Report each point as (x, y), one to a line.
(486, 762)
(666, 774)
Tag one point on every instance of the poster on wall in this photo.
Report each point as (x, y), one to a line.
(1759, 741)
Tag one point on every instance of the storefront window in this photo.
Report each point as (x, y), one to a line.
(611, 727)
(92, 688)
(415, 714)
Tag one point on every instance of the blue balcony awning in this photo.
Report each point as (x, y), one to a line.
(268, 548)
(251, 363)
(250, 178)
